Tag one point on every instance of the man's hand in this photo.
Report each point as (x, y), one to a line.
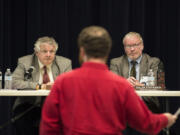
(171, 119)
(47, 86)
(134, 82)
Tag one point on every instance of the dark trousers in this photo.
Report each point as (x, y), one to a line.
(28, 124)
(130, 131)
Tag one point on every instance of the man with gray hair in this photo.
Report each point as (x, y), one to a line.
(36, 71)
(135, 64)
(133, 47)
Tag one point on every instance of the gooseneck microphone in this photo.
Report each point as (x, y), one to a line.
(28, 73)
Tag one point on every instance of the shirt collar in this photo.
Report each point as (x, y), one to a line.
(95, 65)
(41, 65)
(137, 60)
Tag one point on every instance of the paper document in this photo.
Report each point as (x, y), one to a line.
(177, 112)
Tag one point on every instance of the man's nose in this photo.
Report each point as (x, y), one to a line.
(132, 48)
(48, 53)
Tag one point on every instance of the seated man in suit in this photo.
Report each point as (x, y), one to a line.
(133, 46)
(123, 66)
(91, 100)
(36, 71)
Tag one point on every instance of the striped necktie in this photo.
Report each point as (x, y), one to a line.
(45, 76)
(133, 69)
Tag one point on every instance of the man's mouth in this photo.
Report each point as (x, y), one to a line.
(133, 54)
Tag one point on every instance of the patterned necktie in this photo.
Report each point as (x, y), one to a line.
(133, 69)
(45, 76)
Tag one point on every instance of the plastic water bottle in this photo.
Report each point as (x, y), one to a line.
(8, 79)
(0, 80)
(151, 78)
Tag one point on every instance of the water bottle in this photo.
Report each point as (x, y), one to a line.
(151, 78)
(0, 80)
(8, 79)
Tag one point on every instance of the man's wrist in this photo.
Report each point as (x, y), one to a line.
(38, 86)
(43, 86)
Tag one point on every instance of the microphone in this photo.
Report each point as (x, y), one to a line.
(28, 73)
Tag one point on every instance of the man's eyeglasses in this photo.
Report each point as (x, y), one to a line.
(133, 45)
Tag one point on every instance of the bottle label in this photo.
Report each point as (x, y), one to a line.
(144, 79)
(148, 80)
(9, 78)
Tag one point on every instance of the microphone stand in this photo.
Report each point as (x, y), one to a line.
(27, 76)
(12, 120)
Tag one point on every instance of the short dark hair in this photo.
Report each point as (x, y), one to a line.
(96, 41)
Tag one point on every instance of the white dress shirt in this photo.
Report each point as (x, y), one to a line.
(49, 71)
(137, 67)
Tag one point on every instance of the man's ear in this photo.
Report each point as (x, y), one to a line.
(81, 55)
(142, 47)
(82, 52)
(36, 53)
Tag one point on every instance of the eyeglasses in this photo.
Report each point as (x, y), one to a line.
(45, 51)
(133, 45)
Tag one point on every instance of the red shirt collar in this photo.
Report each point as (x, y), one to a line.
(95, 65)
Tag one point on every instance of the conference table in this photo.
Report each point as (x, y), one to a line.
(149, 92)
(156, 93)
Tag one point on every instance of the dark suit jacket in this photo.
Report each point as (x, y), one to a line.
(120, 66)
(59, 66)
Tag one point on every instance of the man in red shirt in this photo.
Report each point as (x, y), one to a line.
(91, 100)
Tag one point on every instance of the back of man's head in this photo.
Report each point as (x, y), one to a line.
(96, 42)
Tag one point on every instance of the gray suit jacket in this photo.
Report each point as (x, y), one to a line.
(120, 66)
(59, 66)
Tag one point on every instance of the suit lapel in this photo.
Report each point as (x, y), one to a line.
(55, 70)
(125, 69)
(36, 73)
(143, 65)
